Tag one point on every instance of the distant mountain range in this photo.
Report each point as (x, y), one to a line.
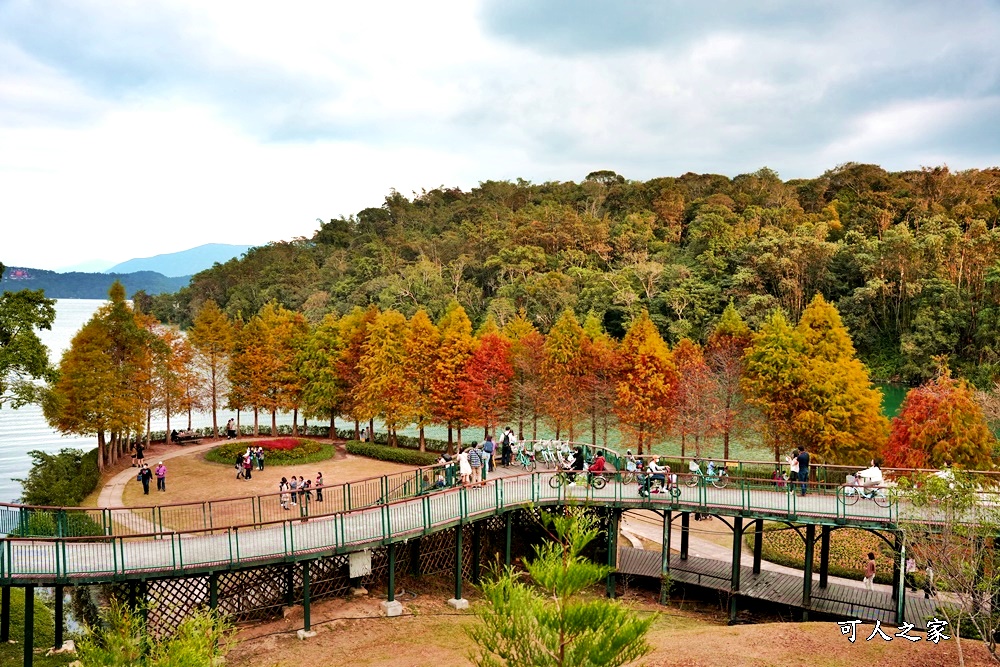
(153, 275)
(185, 262)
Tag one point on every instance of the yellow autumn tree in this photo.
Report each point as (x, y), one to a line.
(421, 347)
(212, 338)
(564, 371)
(647, 383)
(455, 349)
(384, 391)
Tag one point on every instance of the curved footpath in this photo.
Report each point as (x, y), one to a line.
(112, 496)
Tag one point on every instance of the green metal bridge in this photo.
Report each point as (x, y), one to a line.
(77, 546)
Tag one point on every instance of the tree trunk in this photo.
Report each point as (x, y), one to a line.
(423, 444)
(520, 428)
(451, 442)
(149, 426)
(593, 426)
(683, 444)
(371, 430)
(333, 425)
(256, 424)
(189, 415)
(725, 445)
(459, 429)
(101, 453)
(274, 422)
(169, 439)
(295, 422)
(534, 427)
(215, 407)
(357, 430)
(237, 421)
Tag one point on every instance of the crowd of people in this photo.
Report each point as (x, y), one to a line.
(299, 491)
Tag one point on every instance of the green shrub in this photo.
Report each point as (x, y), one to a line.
(848, 551)
(307, 451)
(393, 454)
(63, 479)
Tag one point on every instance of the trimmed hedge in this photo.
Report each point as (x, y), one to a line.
(307, 451)
(393, 454)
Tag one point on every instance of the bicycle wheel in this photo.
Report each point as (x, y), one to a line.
(691, 480)
(851, 497)
(557, 480)
(675, 491)
(599, 481)
(530, 466)
(882, 499)
(628, 477)
(720, 481)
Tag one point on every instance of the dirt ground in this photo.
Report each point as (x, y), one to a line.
(432, 633)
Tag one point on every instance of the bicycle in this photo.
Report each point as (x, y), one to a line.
(878, 494)
(657, 485)
(719, 478)
(526, 460)
(565, 477)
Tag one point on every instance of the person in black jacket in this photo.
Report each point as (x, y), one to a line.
(145, 476)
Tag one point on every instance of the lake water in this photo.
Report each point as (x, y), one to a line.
(25, 429)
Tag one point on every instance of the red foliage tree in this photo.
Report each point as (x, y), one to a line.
(485, 386)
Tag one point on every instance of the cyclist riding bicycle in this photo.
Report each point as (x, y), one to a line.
(655, 472)
(597, 466)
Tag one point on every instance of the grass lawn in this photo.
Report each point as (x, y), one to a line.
(192, 478)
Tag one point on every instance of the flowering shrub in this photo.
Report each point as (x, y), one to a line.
(277, 451)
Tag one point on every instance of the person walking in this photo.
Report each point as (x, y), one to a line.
(464, 467)
(929, 590)
(488, 448)
(283, 490)
(319, 487)
(293, 486)
(870, 571)
(161, 477)
(507, 446)
(140, 454)
(476, 463)
(230, 429)
(803, 459)
(910, 573)
(247, 466)
(260, 459)
(145, 476)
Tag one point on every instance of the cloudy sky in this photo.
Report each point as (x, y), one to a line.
(129, 129)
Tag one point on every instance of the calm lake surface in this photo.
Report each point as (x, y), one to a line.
(24, 430)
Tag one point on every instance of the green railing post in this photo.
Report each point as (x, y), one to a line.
(230, 534)
(347, 498)
(62, 524)
(384, 485)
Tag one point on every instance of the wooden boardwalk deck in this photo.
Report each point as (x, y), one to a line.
(841, 600)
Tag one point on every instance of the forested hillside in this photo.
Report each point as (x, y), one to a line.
(909, 259)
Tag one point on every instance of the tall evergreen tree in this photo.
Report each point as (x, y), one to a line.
(421, 346)
(565, 371)
(322, 391)
(724, 354)
(384, 391)
(23, 357)
(456, 348)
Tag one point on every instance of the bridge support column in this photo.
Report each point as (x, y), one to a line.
(391, 606)
(615, 520)
(306, 630)
(415, 557)
(807, 581)
(458, 602)
(5, 614)
(133, 595)
(758, 544)
(289, 585)
(897, 572)
(213, 590)
(29, 625)
(824, 555)
(477, 538)
(685, 533)
(58, 618)
(665, 557)
(737, 569)
(508, 525)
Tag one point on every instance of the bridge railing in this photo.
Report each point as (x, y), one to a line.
(173, 552)
(26, 520)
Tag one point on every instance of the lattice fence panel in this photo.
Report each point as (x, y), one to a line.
(254, 594)
(329, 577)
(171, 600)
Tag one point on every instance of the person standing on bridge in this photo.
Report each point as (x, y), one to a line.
(870, 571)
(803, 458)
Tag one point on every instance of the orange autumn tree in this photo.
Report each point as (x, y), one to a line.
(564, 372)
(455, 349)
(528, 360)
(940, 423)
(485, 386)
(647, 383)
(696, 399)
(384, 391)
(724, 352)
(600, 358)
(353, 332)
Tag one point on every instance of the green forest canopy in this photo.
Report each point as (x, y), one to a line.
(910, 259)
